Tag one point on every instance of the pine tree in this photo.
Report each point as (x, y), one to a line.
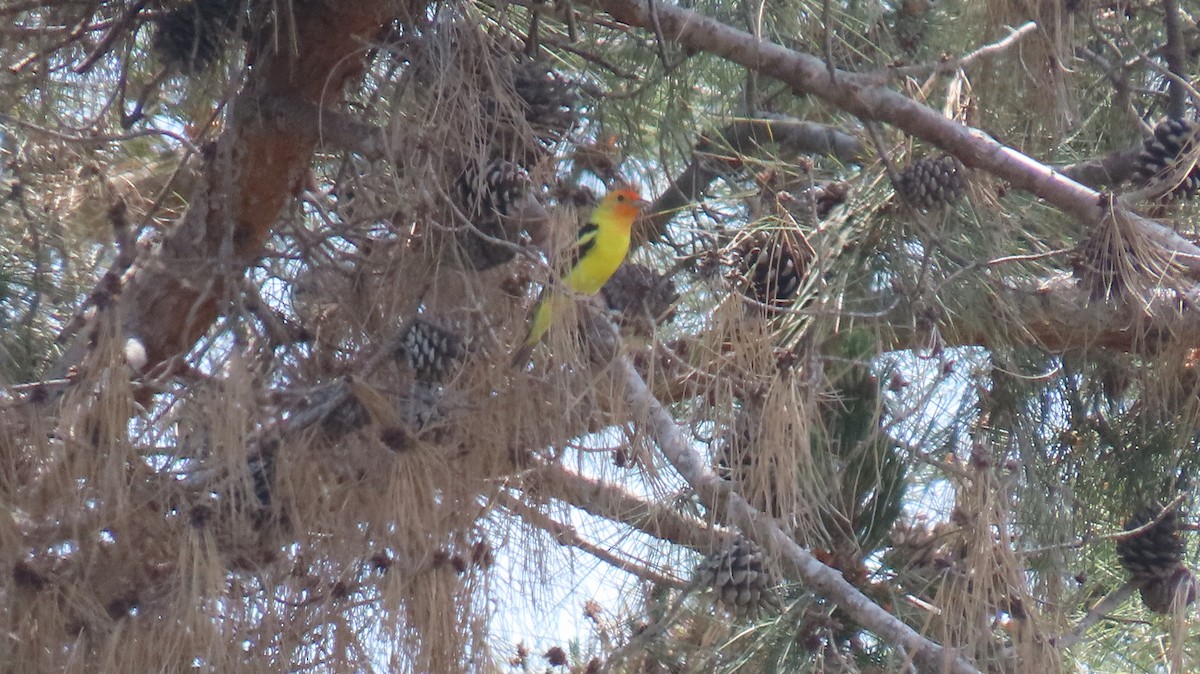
(899, 373)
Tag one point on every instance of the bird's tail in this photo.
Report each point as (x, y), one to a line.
(539, 323)
(521, 356)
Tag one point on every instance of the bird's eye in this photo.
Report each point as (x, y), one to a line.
(620, 197)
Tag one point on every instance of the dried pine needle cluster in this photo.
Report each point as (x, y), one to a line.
(336, 477)
(219, 527)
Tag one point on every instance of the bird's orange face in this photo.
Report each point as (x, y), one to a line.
(627, 203)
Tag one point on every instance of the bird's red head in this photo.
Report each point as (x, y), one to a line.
(624, 203)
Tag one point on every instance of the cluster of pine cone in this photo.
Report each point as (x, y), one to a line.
(495, 192)
(490, 194)
(431, 350)
(1155, 557)
(739, 578)
(641, 297)
(773, 267)
(1168, 160)
(933, 182)
(192, 36)
(434, 353)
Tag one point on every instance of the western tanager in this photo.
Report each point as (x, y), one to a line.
(601, 247)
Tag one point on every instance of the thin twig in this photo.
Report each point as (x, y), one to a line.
(1095, 614)
(1115, 536)
(949, 66)
(118, 29)
(76, 34)
(881, 152)
(1121, 88)
(590, 57)
(565, 7)
(805, 311)
(790, 134)
(101, 138)
(658, 36)
(569, 536)
(651, 632)
(1175, 80)
(1030, 257)
(828, 42)
(1130, 533)
(606, 500)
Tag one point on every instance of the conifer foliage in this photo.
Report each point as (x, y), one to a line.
(905, 344)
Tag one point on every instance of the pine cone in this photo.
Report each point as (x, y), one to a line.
(932, 183)
(1159, 595)
(773, 267)
(734, 458)
(1116, 260)
(262, 465)
(346, 417)
(492, 188)
(915, 544)
(924, 555)
(550, 101)
(488, 194)
(640, 295)
(1155, 553)
(819, 200)
(433, 352)
(601, 158)
(527, 124)
(739, 578)
(422, 418)
(190, 37)
(1159, 161)
(580, 197)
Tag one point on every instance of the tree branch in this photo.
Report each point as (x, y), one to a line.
(567, 535)
(744, 137)
(817, 577)
(173, 299)
(331, 127)
(945, 67)
(860, 96)
(613, 502)
(1112, 169)
(1108, 604)
(1055, 314)
(1058, 315)
(1176, 60)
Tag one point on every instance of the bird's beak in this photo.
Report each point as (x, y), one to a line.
(641, 204)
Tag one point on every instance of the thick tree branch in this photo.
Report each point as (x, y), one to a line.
(1058, 315)
(821, 579)
(1055, 314)
(1113, 168)
(174, 297)
(332, 128)
(613, 502)
(1176, 59)
(743, 137)
(860, 96)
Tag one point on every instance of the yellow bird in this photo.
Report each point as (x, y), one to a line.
(601, 247)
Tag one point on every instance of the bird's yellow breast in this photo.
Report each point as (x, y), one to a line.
(594, 269)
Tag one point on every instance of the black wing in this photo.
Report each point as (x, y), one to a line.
(583, 244)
